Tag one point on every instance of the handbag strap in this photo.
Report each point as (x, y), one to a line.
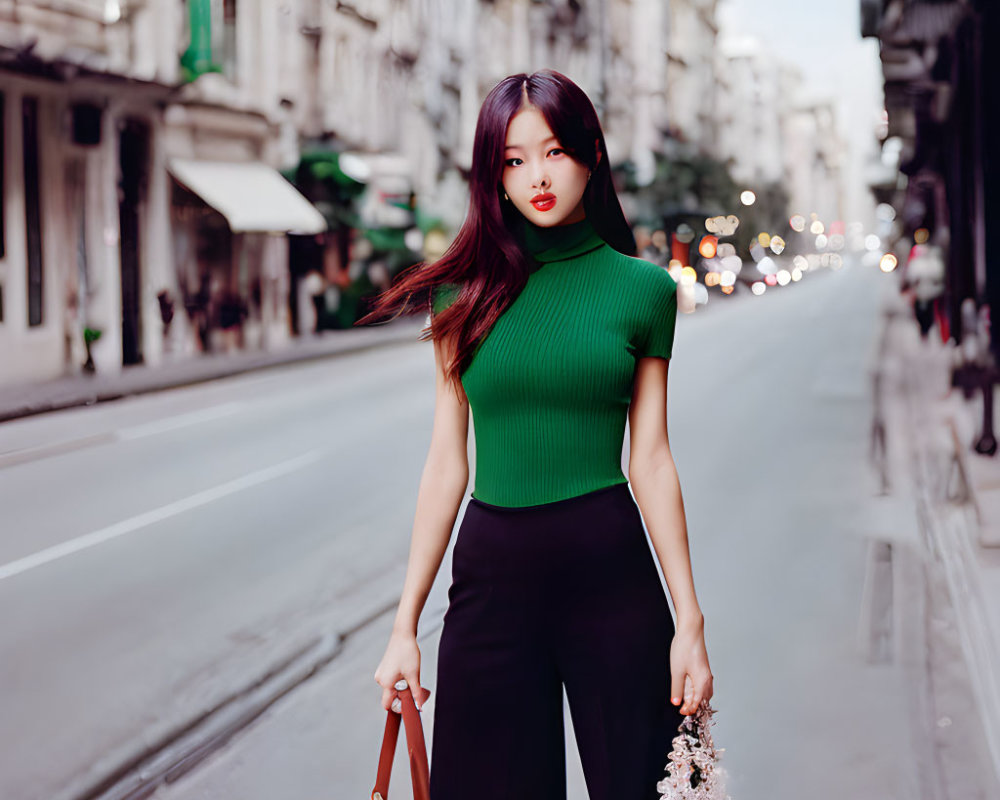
(415, 746)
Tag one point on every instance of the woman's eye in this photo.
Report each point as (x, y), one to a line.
(555, 150)
(510, 162)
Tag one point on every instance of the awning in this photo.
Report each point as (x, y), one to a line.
(253, 197)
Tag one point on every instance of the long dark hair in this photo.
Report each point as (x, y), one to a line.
(487, 258)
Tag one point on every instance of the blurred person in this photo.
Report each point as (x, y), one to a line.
(232, 311)
(642, 238)
(310, 290)
(545, 327)
(657, 250)
(924, 282)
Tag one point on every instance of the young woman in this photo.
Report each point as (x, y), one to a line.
(553, 337)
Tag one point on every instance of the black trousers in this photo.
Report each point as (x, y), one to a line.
(563, 593)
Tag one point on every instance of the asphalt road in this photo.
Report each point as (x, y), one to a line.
(157, 554)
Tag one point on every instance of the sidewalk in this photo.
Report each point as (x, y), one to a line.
(22, 400)
(957, 495)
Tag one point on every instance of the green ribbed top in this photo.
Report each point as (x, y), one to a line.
(550, 384)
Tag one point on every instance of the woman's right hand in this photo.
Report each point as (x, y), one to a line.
(401, 660)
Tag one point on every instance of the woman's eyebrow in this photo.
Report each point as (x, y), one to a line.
(519, 147)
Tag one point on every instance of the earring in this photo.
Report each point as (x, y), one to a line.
(588, 175)
(505, 196)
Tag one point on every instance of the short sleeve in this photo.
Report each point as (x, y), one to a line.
(658, 315)
(443, 295)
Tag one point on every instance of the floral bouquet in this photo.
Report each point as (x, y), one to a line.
(693, 771)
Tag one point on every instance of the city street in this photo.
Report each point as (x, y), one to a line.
(161, 554)
(215, 414)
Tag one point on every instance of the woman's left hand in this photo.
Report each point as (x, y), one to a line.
(689, 662)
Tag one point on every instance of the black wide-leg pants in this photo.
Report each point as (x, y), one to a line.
(563, 593)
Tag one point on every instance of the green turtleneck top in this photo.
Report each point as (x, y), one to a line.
(549, 386)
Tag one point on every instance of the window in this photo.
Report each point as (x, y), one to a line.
(32, 208)
(224, 37)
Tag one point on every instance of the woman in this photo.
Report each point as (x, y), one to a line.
(552, 337)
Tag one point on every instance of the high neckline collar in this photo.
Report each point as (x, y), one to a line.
(560, 242)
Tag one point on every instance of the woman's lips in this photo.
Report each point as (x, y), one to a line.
(544, 202)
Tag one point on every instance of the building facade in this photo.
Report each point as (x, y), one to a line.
(136, 136)
(100, 240)
(938, 61)
(772, 133)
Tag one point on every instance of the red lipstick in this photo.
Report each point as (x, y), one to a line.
(544, 201)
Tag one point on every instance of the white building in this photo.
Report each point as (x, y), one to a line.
(97, 231)
(770, 133)
(757, 92)
(814, 156)
(692, 86)
(156, 129)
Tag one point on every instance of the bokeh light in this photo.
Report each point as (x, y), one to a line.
(748, 198)
(684, 233)
(921, 235)
(758, 288)
(777, 245)
(722, 226)
(817, 227)
(732, 263)
(885, 212)
(767, 266)
(414, 239)
(797, 223)
(888, 263)
(872, 242)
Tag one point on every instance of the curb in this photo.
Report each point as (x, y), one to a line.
(949, 517)
(139, 774)
(85, 391)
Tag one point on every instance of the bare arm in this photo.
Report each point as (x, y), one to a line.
(657, 489)
(442, 486)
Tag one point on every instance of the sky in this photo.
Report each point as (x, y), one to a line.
(823, 40)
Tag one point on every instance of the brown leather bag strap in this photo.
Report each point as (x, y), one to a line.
(415, 745)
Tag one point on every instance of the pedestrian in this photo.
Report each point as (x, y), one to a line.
(925, 276)
(552, 336)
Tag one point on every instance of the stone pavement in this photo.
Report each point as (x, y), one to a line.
(21, 400)
(930, 430)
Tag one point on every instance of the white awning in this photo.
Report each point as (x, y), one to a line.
(253, 197)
